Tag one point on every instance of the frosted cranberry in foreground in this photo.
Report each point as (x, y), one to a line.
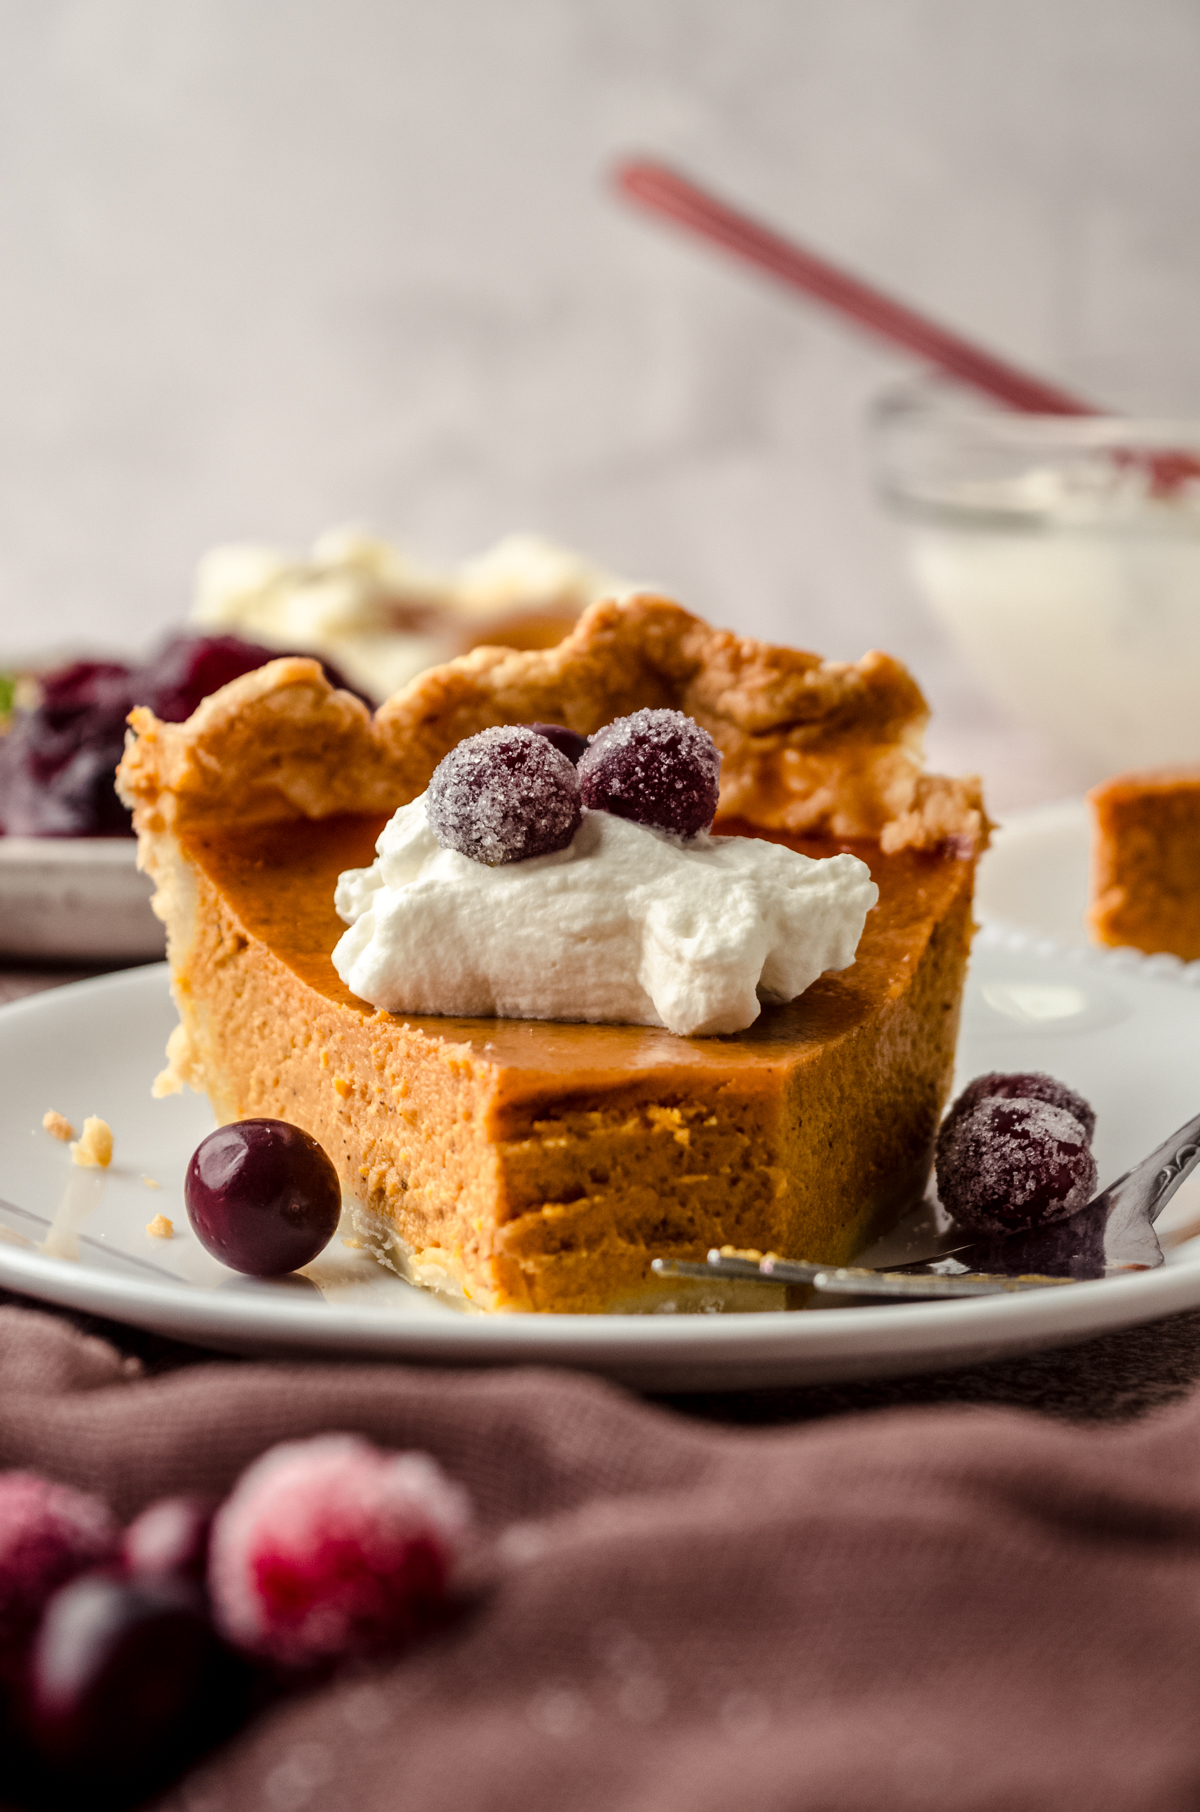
(330, 1547)
(48, 1533)
(1012, 1165)
(503, 796)
(654, 767)
(262, 1196)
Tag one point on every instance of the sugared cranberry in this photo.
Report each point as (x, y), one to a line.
(656, 767)
(122, 1675)
(503, 796)
(1011, 1165)
(262, 1196)
(48, 1533)
(1024, 1085)
(329, 1547)
(568, 742)
(169, 1540)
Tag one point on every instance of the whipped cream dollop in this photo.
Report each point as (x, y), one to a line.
(627, 925)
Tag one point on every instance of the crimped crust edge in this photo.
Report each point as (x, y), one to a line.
(810, 746)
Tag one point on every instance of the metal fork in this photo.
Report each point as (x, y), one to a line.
(1114, 1233)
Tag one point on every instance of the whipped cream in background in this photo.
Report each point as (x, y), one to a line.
(380, 616)
(627, 926)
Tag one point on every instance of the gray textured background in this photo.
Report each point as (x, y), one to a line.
(268, 266)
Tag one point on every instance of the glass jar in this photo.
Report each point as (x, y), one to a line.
(1062, 554)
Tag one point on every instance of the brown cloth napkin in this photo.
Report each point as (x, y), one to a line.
(934, 1608)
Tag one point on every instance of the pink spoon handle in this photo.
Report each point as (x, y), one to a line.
(663, 191)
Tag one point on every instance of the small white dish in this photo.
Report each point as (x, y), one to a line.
(1060, 553)
(1126, 1033)
(78, 899)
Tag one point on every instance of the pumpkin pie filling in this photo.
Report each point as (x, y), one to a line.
(537, 1164)
(1146, 862)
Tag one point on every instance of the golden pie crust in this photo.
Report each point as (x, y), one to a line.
(541, 1165)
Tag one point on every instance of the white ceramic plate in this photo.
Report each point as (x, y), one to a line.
(76, 898)
(1126, 1033)
(1035, 875)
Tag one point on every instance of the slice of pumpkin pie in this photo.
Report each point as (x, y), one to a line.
(539, 1163)
(1146, 862)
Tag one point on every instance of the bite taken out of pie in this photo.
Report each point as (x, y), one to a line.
(536, 1164)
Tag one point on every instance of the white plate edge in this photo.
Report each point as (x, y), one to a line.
(929, 1329)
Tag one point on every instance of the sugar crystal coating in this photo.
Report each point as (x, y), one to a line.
(654, 767)
(1012, 1165)
(1031, 1085)
(503, 796)
(329, 1547)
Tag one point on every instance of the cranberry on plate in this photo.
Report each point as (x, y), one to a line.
(262, 1196)
(1022, 1085)
(1014, 1154)
(169, 1539)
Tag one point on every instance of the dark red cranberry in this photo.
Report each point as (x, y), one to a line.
(84, 684)
(122, 1676)
(503, 796)
(568, 742)
(57, 762)
(1031, 1085)
(262, 1196)
(188, 668)
(169, 1540)
(655, 767)
(1011, 1165)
